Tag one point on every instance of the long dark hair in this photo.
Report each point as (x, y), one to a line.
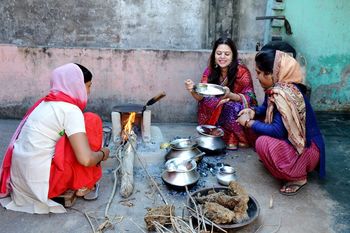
(264, 60)
(214, 76)
(87, 74)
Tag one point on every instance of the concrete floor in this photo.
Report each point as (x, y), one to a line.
(322, 206)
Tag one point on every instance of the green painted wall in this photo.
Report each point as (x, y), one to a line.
(321, 34)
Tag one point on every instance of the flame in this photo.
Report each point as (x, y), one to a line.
(128, 126)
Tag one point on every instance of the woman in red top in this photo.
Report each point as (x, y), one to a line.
(56, 147)
(224, 69)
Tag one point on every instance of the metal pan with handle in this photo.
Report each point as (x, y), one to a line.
(138, 108)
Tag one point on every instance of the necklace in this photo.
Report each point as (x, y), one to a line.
(222, 83)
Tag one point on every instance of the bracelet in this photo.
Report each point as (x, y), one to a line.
(246, 123)
(103, 156)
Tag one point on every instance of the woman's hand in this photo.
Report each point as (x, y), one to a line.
(83, 153)
(243, 119)
(189, 84)
(106, 153)
(228, 95)
(227, 92)
(247, 111)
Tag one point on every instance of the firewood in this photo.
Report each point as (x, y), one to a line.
(127, 166)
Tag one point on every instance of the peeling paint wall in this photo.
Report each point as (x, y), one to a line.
(321, 36)
(130, 24)
(119, 77)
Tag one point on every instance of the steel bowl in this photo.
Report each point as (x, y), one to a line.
(208, 89)
(210, 138)
(253, 208)
(182, 178)
(225, 175)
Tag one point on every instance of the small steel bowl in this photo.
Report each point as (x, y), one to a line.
(225, 175)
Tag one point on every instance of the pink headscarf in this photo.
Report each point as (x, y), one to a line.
(288, 99)
(67, 85)
(69, 79)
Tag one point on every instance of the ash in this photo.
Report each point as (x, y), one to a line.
(208, 167)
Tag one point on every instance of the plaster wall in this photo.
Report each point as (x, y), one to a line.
(321, 36)
(130, 24)
(120, 77)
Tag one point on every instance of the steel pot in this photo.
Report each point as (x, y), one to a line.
(210, 138)
(183, 144)
(181, 178)
(183, 148)
(180, 164)
(184, 154)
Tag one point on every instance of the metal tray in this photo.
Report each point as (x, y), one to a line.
(208, 89)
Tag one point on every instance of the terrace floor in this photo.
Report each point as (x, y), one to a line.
(322, 206)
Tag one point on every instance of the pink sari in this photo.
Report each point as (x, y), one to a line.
(225, 115)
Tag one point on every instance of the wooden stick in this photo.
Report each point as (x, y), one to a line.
(209, 221)
(137, 225)
(88, 218)
(195, 206)
(114, 187)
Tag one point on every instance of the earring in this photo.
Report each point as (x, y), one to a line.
(216, 65)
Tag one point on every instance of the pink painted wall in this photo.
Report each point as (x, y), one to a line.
(120, 76)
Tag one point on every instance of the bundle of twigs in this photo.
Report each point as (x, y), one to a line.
(202, 221)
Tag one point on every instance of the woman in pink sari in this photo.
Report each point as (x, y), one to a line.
(224, 69)
(56, 147)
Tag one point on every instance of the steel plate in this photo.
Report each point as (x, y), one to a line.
(208, 89)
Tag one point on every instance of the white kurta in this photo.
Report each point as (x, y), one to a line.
(33, 153)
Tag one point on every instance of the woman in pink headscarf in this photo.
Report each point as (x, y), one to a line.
(56, 147)
(290, 143)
